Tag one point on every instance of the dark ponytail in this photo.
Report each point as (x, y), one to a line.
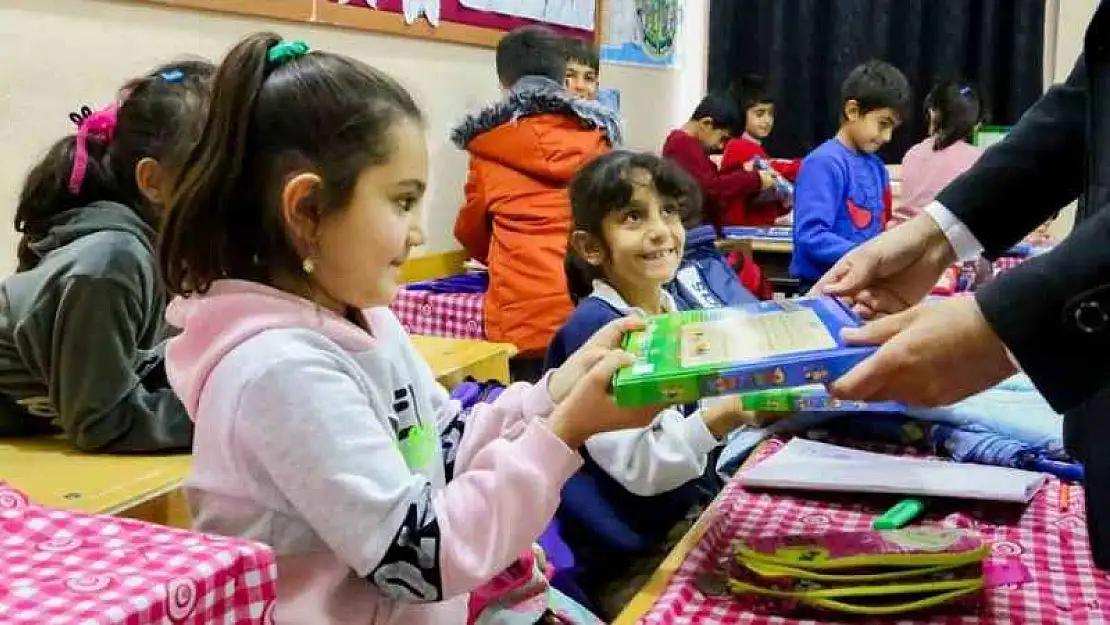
(958, 111)
(156, 116)
(270, 119)
(204, 211)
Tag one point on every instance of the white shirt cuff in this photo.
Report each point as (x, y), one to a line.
(963, 242)
(699, 437)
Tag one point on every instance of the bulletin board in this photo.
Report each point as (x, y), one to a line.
(471, 22)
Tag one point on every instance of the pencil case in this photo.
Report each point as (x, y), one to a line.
(881, 573)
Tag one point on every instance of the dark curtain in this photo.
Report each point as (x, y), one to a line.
(805, 48)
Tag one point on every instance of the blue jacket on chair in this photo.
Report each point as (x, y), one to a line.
(705, 279)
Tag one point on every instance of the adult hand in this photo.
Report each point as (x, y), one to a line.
(610, 337)
(891, 272)
(932, 355)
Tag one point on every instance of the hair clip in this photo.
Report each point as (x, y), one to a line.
(285, 51)
(80, 115)
(173, 76)
(100, 124)
(965, 91)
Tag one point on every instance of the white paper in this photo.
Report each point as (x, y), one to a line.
(810, 465)
(413, 8)
(621, 23)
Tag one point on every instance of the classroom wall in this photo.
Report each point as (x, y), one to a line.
(60, 54)
(1065, 23)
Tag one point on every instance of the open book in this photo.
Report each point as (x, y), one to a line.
(809, 465)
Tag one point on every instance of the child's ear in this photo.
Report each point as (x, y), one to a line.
(587, 247)
(149, 179)
(301, 210)
(706, 124)
(851, 110)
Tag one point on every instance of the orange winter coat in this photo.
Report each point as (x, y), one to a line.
(524, 151)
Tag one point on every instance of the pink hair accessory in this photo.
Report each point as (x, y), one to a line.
(101, 125)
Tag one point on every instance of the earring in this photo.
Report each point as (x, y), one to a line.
(308, 265)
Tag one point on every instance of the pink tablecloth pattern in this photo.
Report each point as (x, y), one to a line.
(59, 567)
(452, 315)
(1052, 543)
(1005, 263)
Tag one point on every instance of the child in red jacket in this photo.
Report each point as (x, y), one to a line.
(691, 146)
(703, 135)
(746, 153)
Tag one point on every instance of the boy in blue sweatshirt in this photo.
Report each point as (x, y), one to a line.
(842, 196)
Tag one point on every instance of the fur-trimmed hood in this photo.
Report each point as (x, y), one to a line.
(536, 95)
(539, 131)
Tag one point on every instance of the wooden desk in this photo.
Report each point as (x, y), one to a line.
(657, 584)
(655, 587)
(452, 360)
(55, 474)
(771, 247)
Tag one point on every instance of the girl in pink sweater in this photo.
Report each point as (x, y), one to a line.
(953, 110)
(320, 430)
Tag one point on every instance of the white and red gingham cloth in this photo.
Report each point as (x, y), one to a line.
(452, 315)
(1005, 263)
(59, 567)
(1065, 588)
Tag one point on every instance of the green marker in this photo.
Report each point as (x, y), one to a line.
(900, 515)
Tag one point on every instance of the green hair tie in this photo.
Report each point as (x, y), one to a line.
(285, 51)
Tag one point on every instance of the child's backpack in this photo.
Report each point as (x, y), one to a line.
(471, 392)
(705, 279)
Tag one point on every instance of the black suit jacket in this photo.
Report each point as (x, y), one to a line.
(1053, 311)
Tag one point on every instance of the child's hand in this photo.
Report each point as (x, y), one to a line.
(608, 338)
(588, 409)
(724, 414)
(767, 179)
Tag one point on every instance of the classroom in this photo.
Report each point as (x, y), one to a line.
(487, 312)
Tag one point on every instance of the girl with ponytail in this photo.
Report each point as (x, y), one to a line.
(81, 321)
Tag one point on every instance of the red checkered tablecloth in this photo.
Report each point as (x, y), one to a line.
(453, 315)
(59, 567)
(1066, 588)
(1005, 263)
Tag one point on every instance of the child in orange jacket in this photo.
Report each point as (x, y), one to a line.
(524, 150)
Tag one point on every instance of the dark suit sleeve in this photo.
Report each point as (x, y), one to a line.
(1034, 172)
(1038, 308)
(1013, 188)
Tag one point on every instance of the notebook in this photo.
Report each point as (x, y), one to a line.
(773, 233)
(810, 465)
(686, 356)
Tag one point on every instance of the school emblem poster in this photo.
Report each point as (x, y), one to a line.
(641, 32)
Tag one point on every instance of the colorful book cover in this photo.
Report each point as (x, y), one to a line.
(812, 398)
(685, 356)
(772, 233)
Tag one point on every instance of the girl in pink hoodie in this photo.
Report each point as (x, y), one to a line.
(953, 111)
(319, 429)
